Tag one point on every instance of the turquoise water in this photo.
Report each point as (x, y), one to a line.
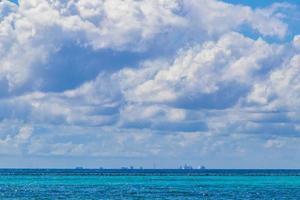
(129, 185)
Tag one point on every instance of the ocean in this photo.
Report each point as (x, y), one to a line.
(149, 184)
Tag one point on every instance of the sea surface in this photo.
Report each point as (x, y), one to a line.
(149, 184)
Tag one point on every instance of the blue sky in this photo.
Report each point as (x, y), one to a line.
(259, 3)
(166, 83)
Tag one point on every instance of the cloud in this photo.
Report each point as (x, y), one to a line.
(201, 74)
(279, 90)
(146, 78)
(164, 96)
(15, 142)
(35, 30)
(217, 17)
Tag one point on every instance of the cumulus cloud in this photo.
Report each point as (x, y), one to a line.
(204, 72)
(146, 78)
(279, 90)
(15, 142)
(35, 30)
(217, 17)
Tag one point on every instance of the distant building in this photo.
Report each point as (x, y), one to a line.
(187, 166)
(78, 167)
(201, 167)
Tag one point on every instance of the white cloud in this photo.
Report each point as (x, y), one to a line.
(24, 134)
(296, 42)
(280, 90)
(203, 69)
(13, 143)
(207, 98)
(273, 143)
(217, 17)
(35, 30)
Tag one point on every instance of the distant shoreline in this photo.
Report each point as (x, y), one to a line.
(150, 172)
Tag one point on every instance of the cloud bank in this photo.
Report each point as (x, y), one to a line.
(195, 80)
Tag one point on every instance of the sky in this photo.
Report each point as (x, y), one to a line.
(149, 83)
